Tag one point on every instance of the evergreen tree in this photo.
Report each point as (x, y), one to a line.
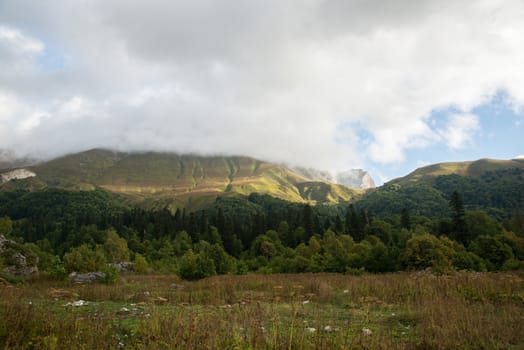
(307, 220)
(405, 219)
(459, 229)
(339, 226)
(356, 223)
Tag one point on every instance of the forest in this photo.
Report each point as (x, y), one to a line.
(81, 231)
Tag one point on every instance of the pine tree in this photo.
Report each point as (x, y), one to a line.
(405, 219)
(459, 229)
(307, 220)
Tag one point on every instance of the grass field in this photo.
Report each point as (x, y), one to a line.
(306, 311)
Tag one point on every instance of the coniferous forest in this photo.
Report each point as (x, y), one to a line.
(391, 229)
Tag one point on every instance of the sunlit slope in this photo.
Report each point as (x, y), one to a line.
(494, 186)
(429, 173)
(169, 177)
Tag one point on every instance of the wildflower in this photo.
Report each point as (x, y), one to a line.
(327, 329)
(310, 329)
(305, 302)
(367, 331)
(346, 291)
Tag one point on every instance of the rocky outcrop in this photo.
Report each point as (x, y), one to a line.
(123, 266)
(88, 277)
(16, 174)
(356, 178)
(17, 260)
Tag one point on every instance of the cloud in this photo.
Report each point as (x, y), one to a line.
(460, 130)
(519, 157)
(275, 80)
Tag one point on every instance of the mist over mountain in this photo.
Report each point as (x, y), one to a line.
(163, 178)
(354, 178)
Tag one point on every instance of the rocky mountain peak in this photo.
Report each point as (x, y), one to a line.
(354, 178)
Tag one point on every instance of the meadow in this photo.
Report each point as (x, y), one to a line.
(465, 310)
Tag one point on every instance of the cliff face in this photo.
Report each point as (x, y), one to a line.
(16, 174)
(356, 178)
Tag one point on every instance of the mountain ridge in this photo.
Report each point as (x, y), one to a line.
(472, 168)
(178, 180)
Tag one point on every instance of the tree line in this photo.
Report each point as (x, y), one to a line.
(84, 231)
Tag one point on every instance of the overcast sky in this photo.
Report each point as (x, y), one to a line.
(332, 84)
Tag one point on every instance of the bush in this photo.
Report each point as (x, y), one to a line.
(196, 266)
(426, 250)
(140, 264)
(112, 274)
(84, 259)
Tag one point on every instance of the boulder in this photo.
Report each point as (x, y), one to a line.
(123, 266)
(88, 277)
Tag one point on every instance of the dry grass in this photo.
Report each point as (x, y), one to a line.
(401, 311)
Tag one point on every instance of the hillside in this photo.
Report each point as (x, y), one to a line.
(177, 180)
(477, 168)
(496, 186)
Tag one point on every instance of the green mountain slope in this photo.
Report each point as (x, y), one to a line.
(496, 186)
(179, 180)
(477, 168)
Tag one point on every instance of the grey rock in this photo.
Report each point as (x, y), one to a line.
(88, 277)
(16, 259)
(16, 174)
(356, 178)
(123, 266)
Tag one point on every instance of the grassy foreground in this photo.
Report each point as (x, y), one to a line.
(305, 311)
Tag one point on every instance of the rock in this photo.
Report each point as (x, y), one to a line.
(16, 174)
(123, 266)
(89, 277)
(17, 260)
(367, 331)
(77, 303)
(356, 178)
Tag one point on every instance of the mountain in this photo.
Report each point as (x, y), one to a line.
(354, 178)
(477, 168)
(155, 178)
(495, 186)
(9, 160)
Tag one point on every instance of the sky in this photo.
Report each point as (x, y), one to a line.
(387, 86)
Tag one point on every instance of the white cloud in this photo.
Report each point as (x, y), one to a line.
(271, 79)
(459, 131)
(519, 157)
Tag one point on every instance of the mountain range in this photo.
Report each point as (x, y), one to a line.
(174, 180)
(155, 179)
